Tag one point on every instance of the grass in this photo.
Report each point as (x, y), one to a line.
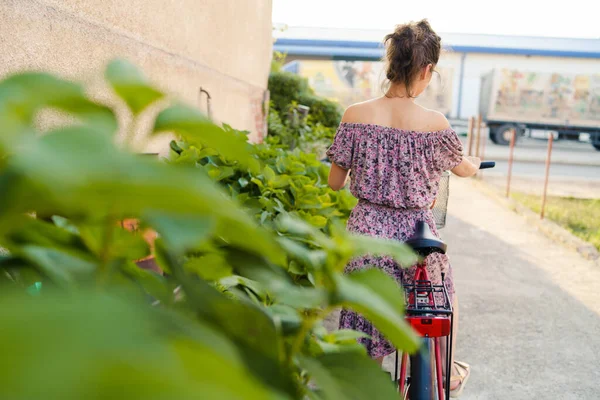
(580, 216)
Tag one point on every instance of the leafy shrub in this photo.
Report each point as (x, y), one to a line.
(316, 140)
(311, 134)
(290, 182)
(227, 321)
(287, 129)
(286, 88)
(322, 111)
(277, 61)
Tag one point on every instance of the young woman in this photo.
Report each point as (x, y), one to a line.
(395, 152)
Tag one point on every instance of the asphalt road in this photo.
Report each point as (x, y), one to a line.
(574, 170)
(535, 151)
(538, 170)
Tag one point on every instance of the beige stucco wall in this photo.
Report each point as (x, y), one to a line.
(223, 46)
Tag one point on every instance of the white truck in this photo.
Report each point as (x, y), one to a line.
(564, 105)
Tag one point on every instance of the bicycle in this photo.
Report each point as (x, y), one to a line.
(431, 319)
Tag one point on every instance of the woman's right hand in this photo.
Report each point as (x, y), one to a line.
(468, 167)
(476, 161)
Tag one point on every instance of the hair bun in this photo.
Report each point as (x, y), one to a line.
(410, 47)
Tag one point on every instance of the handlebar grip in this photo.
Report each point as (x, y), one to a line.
(487, 164)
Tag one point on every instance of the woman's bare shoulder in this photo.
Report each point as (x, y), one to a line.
(434, 120)
(359, 112)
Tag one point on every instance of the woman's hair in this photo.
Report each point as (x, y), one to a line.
(409, 49)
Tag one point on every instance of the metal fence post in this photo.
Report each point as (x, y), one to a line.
(470, 136)
(513, 138)
(478, 137)
(548, 161)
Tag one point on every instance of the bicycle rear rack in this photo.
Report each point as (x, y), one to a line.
(416, 292)
(433, 320)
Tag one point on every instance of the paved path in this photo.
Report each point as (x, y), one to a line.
(530, 309)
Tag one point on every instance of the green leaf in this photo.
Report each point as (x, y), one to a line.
(257, 182)
(64, 223)
(269, 173)
(27, 230)
(181, 232)
(254, 286)
(210, 267)
(317, 221)
(195, 127)
(349, 376)
(381, 300)
(62, 267)
(280, 181)
(153, 283)
(23, 95)
(346, 200)
(122, 243)
(308, 201)
(110, 348)
(286, 317)
(243, 322)
(98, 179)
(312, 258)
(276, 281)
(399, 251)
(226, 172)
(327, 347)
(128, 245)
(131, 86)
(294, 226)
(344, 336)
(243, 182)
(295, 268)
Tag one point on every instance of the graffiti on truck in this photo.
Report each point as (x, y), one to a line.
(349, 82)
(541, 96)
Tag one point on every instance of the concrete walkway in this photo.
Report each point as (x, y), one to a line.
(529, 308)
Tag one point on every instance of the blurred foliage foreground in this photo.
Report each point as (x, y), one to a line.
(247, 238)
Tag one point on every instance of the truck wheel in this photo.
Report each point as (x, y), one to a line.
(502, 135)
(492, 133)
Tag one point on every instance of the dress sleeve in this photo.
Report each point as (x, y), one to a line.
(449, 150)
(340, 152)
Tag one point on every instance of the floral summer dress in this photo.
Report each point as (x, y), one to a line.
(395, 175)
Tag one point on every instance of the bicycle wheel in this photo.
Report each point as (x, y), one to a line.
(420, 373)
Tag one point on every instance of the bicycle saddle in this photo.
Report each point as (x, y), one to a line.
(424, 242)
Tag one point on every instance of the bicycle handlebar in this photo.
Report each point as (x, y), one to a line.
(487, 164)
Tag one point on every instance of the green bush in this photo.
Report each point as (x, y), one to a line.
(287, 129)
(291, 182)
(286, 88)
(227, 321)
(311, 134)
(323, 111)
(317, 139)
(277, 61)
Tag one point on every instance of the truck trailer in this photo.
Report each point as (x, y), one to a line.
(564, 105)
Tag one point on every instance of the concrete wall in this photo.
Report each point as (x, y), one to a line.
(223, 46)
